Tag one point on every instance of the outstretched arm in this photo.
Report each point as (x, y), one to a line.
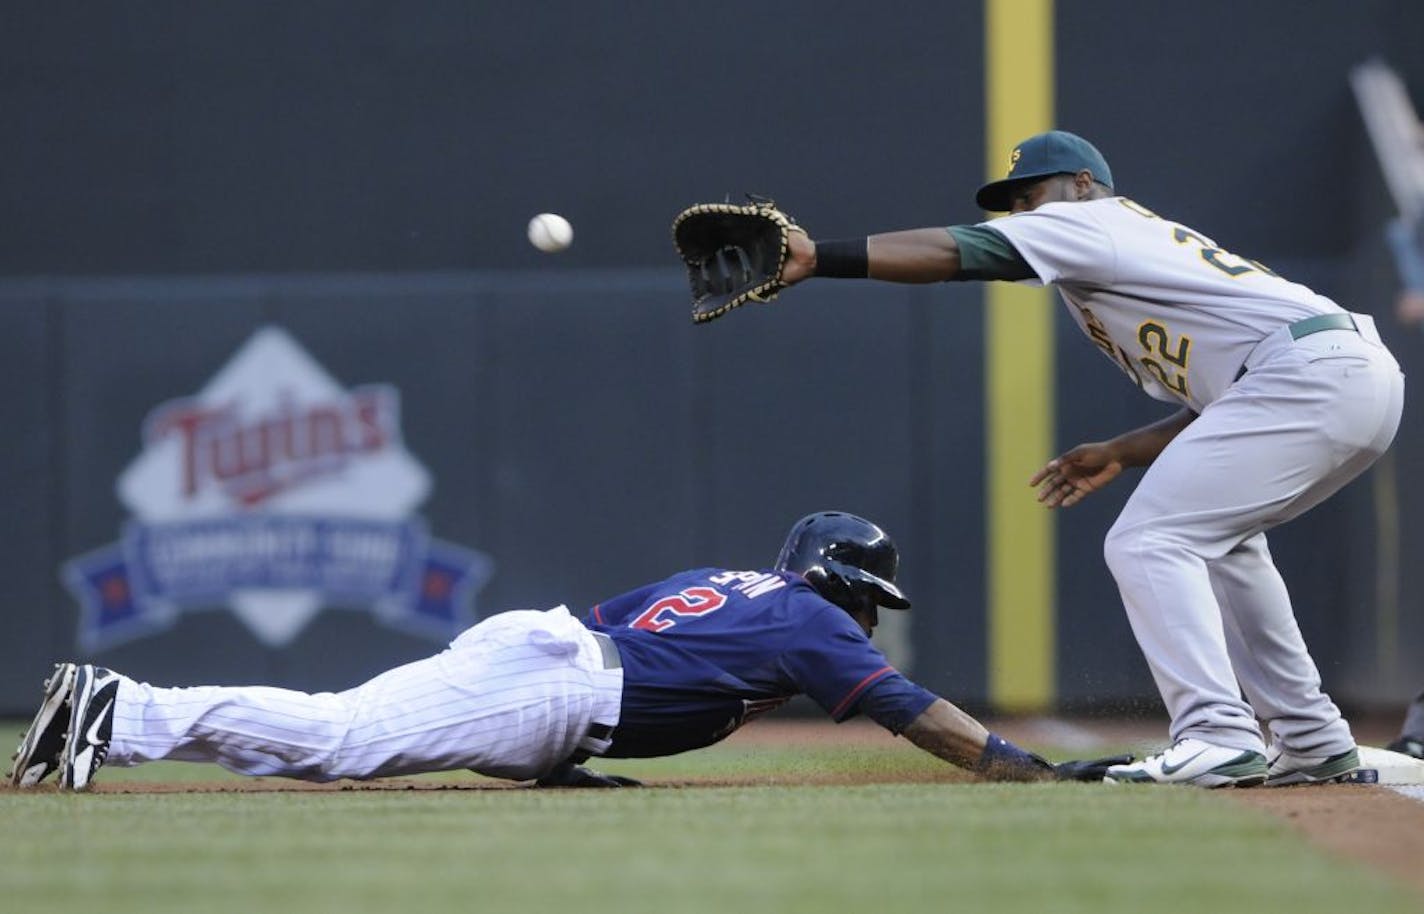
(916, 255)
(911, 256)
(946, 731)
(958, 252)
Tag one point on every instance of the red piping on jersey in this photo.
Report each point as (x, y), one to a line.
(860, 687)
(598, 616)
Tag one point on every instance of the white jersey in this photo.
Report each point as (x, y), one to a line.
(1165, 303)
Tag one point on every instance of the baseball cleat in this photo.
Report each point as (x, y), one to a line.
(43, 743)
(91, 724)
(1286, 769)
(1408, 745)
(1195, 762)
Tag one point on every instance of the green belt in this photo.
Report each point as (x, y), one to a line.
(1313, 325)
(1321, 322)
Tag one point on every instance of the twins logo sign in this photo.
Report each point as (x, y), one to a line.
(274, 492)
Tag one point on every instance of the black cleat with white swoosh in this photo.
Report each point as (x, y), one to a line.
(91, 723)
(39, 754)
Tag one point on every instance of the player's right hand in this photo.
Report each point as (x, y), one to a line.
(1093, 770)
(1074, 475)
(567, 775)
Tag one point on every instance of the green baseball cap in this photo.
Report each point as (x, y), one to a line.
(1056, 152)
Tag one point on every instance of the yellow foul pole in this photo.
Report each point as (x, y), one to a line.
(1019, 382)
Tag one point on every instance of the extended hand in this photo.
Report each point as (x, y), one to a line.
(567, 775)
(1088, 769)
(1069, 478)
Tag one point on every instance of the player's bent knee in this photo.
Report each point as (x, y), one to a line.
(1123, 548)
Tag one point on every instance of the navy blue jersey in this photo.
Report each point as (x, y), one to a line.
(707, 650)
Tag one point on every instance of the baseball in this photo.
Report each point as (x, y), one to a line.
(550, 232)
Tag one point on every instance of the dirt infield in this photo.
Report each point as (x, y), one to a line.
(1374, 825)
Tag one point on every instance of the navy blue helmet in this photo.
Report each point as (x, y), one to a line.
(850, 561)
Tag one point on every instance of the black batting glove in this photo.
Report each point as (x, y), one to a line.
(1088, 769)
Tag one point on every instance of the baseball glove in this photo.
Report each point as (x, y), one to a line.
(734, 253)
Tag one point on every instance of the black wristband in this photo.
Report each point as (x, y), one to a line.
(843, 258)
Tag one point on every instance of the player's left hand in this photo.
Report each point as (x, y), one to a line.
(1088, 769)
(736, 253)
(800, 259)
(567, 775)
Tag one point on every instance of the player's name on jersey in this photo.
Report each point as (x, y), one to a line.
(749, 583)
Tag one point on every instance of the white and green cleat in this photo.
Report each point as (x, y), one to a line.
(1285, 769)
(1197, 763)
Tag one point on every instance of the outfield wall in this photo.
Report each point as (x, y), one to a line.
(560, 440)
(554, 429)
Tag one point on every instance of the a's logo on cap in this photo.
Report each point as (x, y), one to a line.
(1014, 159)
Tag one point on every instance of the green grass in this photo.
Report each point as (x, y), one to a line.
(782, 848)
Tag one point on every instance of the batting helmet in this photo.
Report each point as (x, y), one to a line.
(850, 561)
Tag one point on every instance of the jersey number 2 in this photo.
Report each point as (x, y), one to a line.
(667, 612)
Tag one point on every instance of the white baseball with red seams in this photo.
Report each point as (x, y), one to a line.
(550, 232)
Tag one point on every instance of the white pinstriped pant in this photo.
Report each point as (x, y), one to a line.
(510, 697)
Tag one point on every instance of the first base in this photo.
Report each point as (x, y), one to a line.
(1393, 767)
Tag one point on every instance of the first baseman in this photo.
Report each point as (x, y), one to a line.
(1283, 397)
(530, 695)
